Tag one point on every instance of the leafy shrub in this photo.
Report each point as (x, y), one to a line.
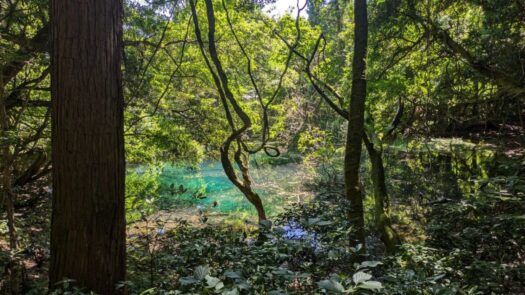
(303, 252)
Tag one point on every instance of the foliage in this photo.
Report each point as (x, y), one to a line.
(454, 161)
(142, 191)
(298, 254)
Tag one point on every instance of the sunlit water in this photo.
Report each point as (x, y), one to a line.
(207, 187)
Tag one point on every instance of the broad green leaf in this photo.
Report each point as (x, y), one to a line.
(371, 285)
(213, 281)
(201, 272)
(233, 291)
(360, 276)
(370, 264)
(331, 285)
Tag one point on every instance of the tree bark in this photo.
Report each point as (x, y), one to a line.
(13, 269)
(387, 234)
(356, 123)
(88, 217)
(6, 172)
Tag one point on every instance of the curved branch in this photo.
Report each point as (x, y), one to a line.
(266, 125)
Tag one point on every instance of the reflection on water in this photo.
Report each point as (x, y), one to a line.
(418, 174)
(421, 175)
(440, 169)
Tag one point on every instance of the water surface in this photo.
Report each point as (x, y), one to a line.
(207, 185)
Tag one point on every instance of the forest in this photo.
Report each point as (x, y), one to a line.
(262, 147)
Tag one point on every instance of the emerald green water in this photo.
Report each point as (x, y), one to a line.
(278, 185)
(416, 172)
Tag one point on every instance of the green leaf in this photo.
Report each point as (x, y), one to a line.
(187, 281)
(437, 277)
(201, 272)
(371, 285)
(369, 264)
(360, 277)
(331, 285)
(230, 292)
(148, 291)
(213, 282)
(324, 222)
(219, 286)
(243, 286)
(232, 275)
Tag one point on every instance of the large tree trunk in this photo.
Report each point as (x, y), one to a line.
(356, 123)
(88, 219)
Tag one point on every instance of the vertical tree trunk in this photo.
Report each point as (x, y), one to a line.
(88, 218)
(13, 270)
(387, 234)
(356, 123)
(6, 194)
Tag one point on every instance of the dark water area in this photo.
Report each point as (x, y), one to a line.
(439, 170)
(423, 179)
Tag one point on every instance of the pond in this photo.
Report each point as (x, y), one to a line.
(418, 174)
(439, 169)
(206, 187)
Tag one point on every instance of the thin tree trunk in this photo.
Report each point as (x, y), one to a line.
(387, 234)
(220, 78)
(353, 149)
(6, 172)
(88, 217)
(356, 123)
(247, 189)
(14, 269)
(244, 184)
